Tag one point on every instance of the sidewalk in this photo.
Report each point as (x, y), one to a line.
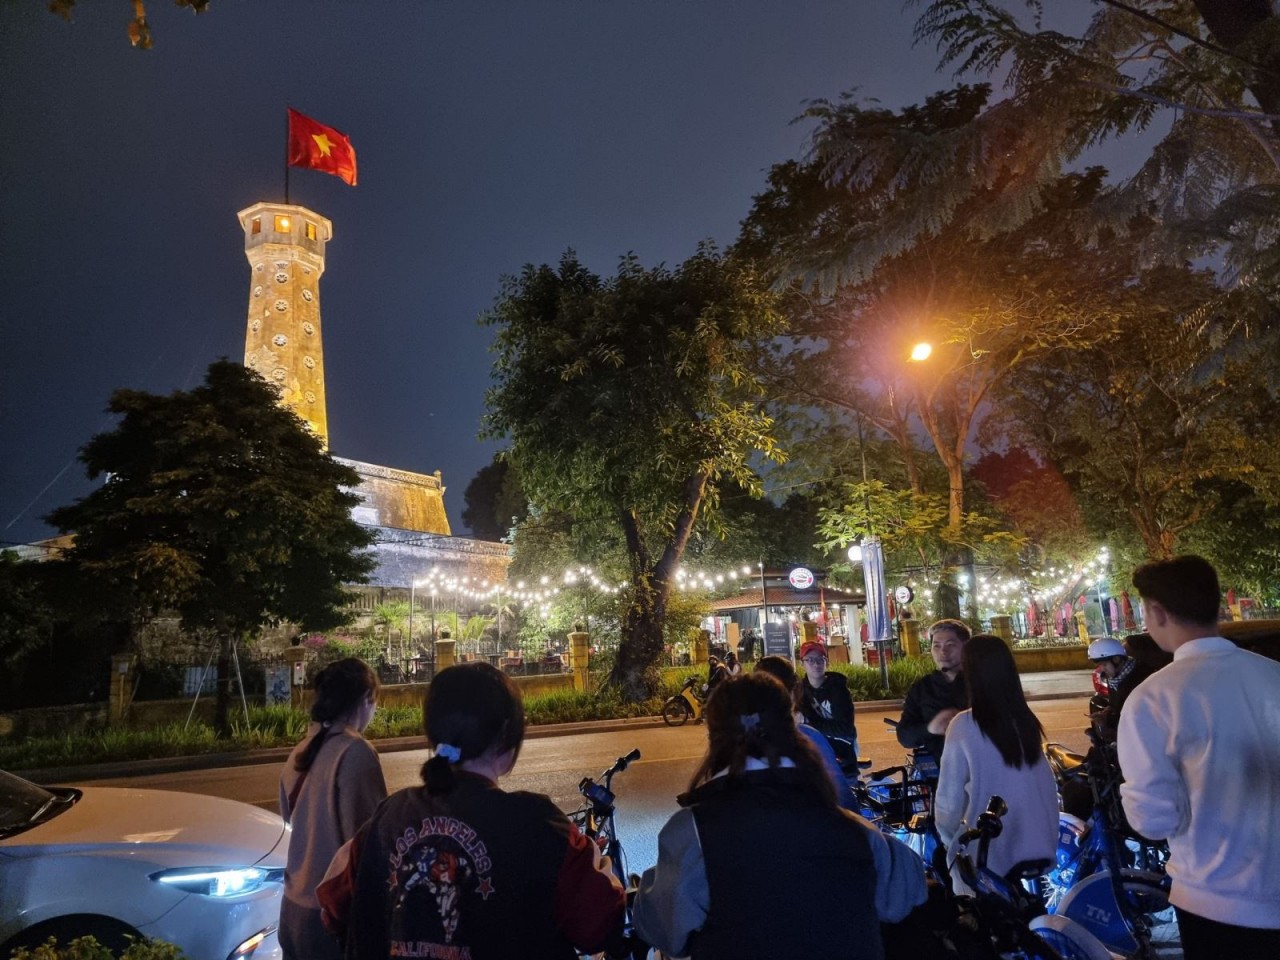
(1037, 686)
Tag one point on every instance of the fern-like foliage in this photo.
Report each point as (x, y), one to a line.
(983, 166)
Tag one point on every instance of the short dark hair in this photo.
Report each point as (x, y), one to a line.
(1186, 586)
(958, 627)
(778, 667)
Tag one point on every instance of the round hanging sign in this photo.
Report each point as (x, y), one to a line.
(801, 578)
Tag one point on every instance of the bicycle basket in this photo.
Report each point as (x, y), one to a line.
(898, 804)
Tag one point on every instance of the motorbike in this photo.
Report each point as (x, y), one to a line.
(685, 705)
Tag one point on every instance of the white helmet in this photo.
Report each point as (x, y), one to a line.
(1106, 647)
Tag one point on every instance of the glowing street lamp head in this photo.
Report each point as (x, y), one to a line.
(921, 351)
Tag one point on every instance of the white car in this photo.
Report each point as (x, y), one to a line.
(204, 873)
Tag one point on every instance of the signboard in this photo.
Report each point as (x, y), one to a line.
(777, 639)
(801, 578)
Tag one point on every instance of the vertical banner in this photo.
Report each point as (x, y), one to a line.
(877, 601)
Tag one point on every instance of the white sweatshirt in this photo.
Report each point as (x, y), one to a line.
(1199, 746)
(972, 772)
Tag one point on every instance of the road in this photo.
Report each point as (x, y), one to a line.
(554, 765)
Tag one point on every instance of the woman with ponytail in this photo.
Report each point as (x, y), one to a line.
(459, 867)
(330, 785)
(761, 815)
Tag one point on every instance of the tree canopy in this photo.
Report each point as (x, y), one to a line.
(634, 399)
(220, 504)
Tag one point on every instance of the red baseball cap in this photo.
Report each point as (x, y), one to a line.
(813, 646)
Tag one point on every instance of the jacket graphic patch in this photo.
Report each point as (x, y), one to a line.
(443, 857)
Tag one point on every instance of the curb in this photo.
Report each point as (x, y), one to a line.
(244, 758)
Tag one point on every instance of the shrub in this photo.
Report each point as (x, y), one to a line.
(88, 948)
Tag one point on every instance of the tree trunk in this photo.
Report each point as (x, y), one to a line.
(1232, 23)
(641, 642)
(222, 690)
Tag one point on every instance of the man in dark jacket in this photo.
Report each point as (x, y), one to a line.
(937, 697)
(824, 697)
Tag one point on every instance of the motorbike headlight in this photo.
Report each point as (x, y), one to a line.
(218, 881)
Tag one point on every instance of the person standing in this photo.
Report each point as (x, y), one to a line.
(761, 815)
(458, 867)
(330, 785)
(993, 749)
(934, 700)
(1199, 743)
(825, 700)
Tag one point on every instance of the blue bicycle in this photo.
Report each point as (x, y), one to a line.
(1107, 878)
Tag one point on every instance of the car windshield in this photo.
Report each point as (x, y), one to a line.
(22, 803)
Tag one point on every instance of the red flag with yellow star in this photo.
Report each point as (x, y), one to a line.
(313, 145)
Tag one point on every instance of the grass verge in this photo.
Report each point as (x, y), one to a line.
(278, 726)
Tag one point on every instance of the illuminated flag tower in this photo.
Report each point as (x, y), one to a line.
(284, 244)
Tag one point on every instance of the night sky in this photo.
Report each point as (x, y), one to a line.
(489, 135)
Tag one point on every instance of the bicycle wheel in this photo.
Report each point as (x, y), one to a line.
(675, 712)
(1068, 939)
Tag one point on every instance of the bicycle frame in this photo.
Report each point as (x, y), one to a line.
(1109, 888)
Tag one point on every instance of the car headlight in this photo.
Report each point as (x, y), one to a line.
(218, 881)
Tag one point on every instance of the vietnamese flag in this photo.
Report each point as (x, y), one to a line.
(312, 144)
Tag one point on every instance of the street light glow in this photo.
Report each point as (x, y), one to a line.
(921, 351)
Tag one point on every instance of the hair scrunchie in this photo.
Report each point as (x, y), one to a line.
(749, 721)
(449, 752)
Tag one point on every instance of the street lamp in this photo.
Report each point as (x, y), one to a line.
(921, 351)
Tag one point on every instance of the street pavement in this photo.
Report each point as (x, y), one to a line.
(553, 765)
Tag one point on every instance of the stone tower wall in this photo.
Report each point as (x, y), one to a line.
(284, 245)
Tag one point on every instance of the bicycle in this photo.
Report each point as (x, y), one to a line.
(685, 705)
(903, 807)
(596, 818)
(1108, 878)
(1007, 912)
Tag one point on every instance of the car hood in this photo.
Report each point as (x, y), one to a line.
(155, 824)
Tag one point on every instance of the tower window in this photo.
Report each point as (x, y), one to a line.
(256, 225)
(282, 224)
(311, 230)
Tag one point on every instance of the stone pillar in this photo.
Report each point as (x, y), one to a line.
(701, 648)
(296, 657)
(1082, 627)
(446, 651)
(911, 637)
(1002, 627)
(580, 659)
(121, 686)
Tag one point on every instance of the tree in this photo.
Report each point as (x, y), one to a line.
(1211, 182)
(139, 25)
(1155, 424)
(633, 399)
(495, 501)
(220, 504)
(984, 307)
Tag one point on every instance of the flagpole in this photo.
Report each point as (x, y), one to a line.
(286, 158)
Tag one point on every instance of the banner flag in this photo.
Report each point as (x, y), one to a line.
(318, 147)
